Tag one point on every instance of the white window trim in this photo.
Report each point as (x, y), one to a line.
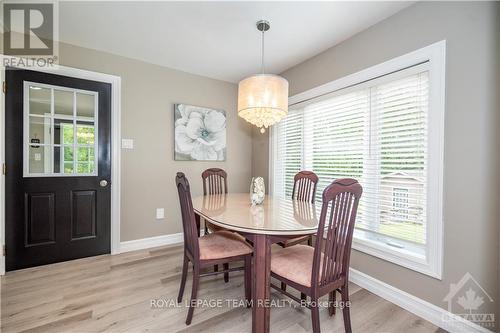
(435, 55)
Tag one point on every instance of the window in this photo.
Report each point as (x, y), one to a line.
(52, 146)
(386, 131)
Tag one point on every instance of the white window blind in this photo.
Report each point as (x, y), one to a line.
(289, 147)
(397, 160)
(334, 137)
(375, 132)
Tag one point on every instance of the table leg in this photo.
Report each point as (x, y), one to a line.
(261, 284)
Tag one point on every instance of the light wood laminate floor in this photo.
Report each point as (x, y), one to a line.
(114, 294)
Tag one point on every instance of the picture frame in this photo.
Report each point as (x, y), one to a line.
(200, 133)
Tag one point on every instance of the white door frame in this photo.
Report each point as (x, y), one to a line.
(115, 82)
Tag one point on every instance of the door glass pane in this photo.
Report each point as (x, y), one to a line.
(85, 105)
(39, 160)
(63, 102)
(68, 157)
(63, 131)
(39, 130)
(68, 167)
(83, 154)
(85, 167)
(85, 133)
(63, 159)
(39, 100)
(85, 160)
(57, 159)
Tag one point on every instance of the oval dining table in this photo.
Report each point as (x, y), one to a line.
(271, 222)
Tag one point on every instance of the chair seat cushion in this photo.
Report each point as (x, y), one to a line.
(294, 263)
(223, 244)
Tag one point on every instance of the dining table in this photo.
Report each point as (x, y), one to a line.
(273, 221)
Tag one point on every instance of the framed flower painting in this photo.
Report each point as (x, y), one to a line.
(200, 133)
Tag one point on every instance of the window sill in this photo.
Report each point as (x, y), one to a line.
(409, 255)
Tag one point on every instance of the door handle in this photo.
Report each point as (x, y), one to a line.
(103, 183)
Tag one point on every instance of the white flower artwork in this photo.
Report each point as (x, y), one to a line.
(200, 133)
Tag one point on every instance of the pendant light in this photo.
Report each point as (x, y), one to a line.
(263, 98)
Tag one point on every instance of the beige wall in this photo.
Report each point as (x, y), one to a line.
(471, 178)
(148, 171)
(497, 183)
(260, 155)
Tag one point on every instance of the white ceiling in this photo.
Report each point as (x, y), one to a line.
(217, 39)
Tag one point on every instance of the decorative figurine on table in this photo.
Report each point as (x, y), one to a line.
(257, 191)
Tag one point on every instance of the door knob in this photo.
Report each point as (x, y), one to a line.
(103, 183)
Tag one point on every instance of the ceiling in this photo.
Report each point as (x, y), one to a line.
(217, 39)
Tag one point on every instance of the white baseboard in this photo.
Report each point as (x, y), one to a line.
(419, 307)
(145, 243)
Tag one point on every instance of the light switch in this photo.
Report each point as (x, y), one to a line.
(127, 143)
(160, 213)
(38, 157)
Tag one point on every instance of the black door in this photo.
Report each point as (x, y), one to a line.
(58, 168)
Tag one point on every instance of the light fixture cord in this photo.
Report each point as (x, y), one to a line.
(262, 60)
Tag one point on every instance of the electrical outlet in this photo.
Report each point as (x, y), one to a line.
(160, 213)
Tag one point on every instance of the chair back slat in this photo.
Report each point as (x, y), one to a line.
(188, 218)
(335, 231)
(304, 186)
(214, 181)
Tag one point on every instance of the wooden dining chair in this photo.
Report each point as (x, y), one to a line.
(324, 268)
(304, 189)
(215, 248)
(215, 182)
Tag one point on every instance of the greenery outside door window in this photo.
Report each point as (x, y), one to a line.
(83, 158)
